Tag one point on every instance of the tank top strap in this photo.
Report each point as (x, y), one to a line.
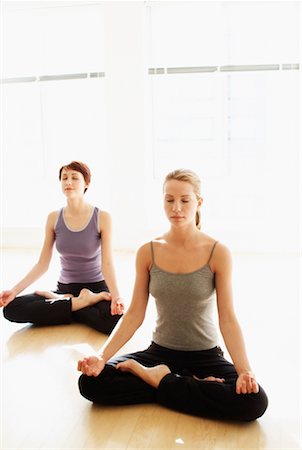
(152, 252)
(96, 214)
(213, 248)
(59, 218)
(61, 214)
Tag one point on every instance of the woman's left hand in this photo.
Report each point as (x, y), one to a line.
(246, 383)
(117, 306)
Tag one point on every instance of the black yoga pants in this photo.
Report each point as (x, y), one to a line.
(32, 308)
(178, 390)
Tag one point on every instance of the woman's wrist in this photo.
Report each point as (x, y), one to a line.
(100, 354)
(102, 357)
(245, 371)
(15, 291)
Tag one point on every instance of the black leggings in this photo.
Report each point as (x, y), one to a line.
(178, 390)
(34, 309)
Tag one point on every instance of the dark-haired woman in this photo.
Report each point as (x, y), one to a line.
(87, 290)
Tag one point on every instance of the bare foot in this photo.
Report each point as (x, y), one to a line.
(52, 295)
(88, 298)
(218, 380)
(91, 298)
(151, 375)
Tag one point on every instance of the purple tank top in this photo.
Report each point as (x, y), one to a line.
(80, 251)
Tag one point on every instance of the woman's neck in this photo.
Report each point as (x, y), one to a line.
(182, 235)
(77, 206)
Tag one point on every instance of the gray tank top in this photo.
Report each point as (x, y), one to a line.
(184, 303)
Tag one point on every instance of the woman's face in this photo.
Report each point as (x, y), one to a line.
(73, 183)
(180, 202)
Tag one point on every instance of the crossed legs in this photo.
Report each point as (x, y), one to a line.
(197, 383)
(84, 299)
(154, 375)
(50, 308)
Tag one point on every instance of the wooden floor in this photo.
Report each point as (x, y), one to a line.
(42, 408)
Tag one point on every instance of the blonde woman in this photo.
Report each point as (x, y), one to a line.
(87, 290)
(187, 273)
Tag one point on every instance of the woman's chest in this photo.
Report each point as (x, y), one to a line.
(195, 286)
(181, 261)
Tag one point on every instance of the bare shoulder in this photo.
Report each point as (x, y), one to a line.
(222, 258)
(144, 255)
(104, 214)
(144, 250)
(104, 220)
(52, 218)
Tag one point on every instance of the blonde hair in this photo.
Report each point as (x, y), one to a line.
(190, 177)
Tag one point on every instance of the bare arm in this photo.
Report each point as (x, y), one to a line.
(117, 306)
(39, 268)
(131, 321)
(228, 323)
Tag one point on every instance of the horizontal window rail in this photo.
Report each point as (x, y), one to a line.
(227, 68)
(69, 76)
(156, 71)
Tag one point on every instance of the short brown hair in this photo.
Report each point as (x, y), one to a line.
(78, 166)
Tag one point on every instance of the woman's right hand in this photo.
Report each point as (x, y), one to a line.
(6, 297)
(91, 366)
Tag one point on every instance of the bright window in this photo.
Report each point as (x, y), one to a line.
(224, 85)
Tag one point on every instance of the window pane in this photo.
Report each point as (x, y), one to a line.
(23, 182)
(186, 34)
(262, 32)
(205, 33)
(188, 122)
(43, 38)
